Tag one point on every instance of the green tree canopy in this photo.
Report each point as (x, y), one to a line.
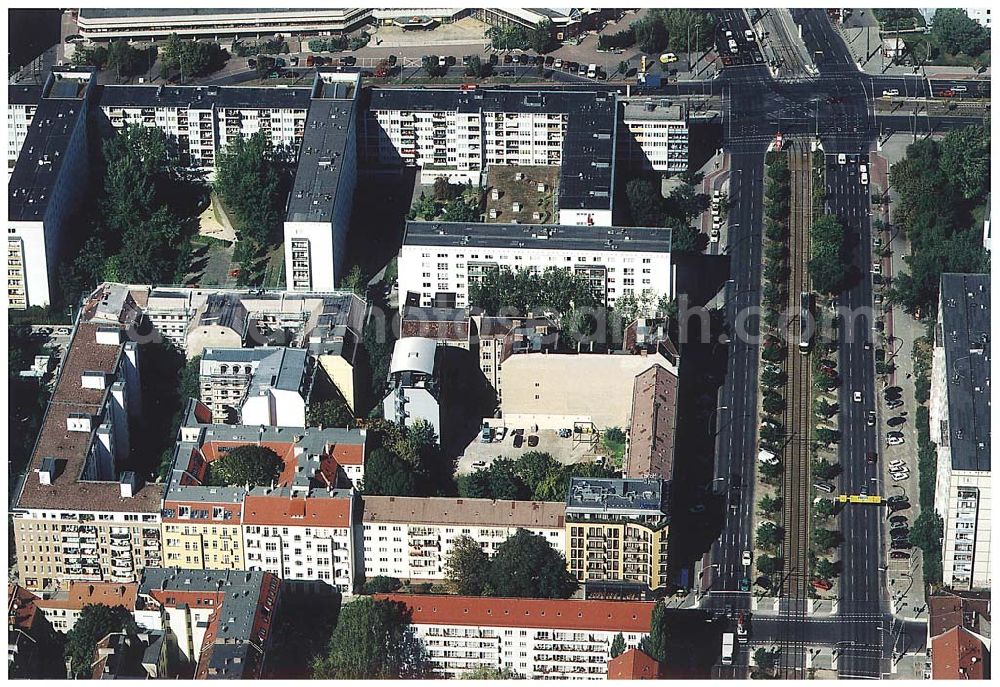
(526, 565)
(373, 640)
(768, 565)
(618, 645)
(381, 584)
(387, 475)
(490, 673)
(965, 160)
(247, 179)
(769, 534)
(467, 568)
(825, 539)
(956, 32)
(96, 621)
(330, 413)
(246, 465)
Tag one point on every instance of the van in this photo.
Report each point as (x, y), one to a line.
(825, 487)
(592, 71)
(766, 457)
(732, 45)
(960, 89)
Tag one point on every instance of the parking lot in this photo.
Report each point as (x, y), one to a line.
(566, 451)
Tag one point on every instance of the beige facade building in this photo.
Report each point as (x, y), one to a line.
(616, 531)
(411, 538)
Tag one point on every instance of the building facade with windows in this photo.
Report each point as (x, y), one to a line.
(78, 514)
(960, 426)
(439, 260)
(411, 538)
(658, 129)
(256, 386)
(22, 102)
(616, 531)
(535, 638)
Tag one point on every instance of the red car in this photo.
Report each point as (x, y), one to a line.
(234, 272)
(948, 93)
(822, 584)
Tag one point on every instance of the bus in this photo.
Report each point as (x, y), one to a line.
(806, 324)
(728, 643)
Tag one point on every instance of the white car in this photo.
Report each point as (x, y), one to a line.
(857, 397)
(842, 159)
(864, 178)
(714, 236)
(899, 476)
(748, 34)
(876, 268)
(747, 558)
(890, 92)
(894, 441)
(897, 464)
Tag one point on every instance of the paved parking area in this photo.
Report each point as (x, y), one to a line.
(565, 451)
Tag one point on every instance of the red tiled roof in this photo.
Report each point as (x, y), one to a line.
(82, 593)
(654, 424)
(349, 454)
(556, 614)
(634, 664)
(952, 609)
(282, 510)
(958, 655)
(21, 607)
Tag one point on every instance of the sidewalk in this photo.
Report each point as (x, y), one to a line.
(716, 173)
(904, 577)
(865, 44)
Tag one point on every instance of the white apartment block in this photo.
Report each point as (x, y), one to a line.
(660, 131)
(308, 541)
(960, 426)
(22, 101)
(458, 134)
(256, 386)
(318, 212)
(438, 260)
(981, 15)
(535, 638)
(410, 538)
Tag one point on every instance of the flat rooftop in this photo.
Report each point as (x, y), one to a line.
(43, 152)
(587, 169)
(965, 334)
(535, 236)
(653, 109)
(589, 494)
(204, 97)
(477, 512)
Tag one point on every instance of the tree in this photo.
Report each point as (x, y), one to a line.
(955, 32)
(247, 465)
(646, 205)
(655, 643)
(96, 56)
(825, 539)
(650, 32)
(380, 584)
(773, 404)
(373, 640)
(467, 568)
(387, 475)
(623, 66)
(773, 378)
(541, 37)
(824, 469)
(965, 160)
(827, 436)
(825, 409)
(95, 622)
(770, 504)
(826, 568)
(534, 467)
(332, 413)
(768, 565)
(771, 471)
(476, 67)
(825, 508)
(765, 659)
(769, 535)
(927, 531)
(827, 265)
(247, 179)
(526, 565)
(618, 645)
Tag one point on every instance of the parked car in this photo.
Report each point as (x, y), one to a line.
(479, 464)
(899, 555)
(900, 533)
(890, 92)
(532, 440)
(898, 520)
(894, 403)
(294, 61)
(557, 64)
(871, 457)
(898, 463)
(518, 440)
(501, 432)
(565, 433)
(899, 476)
(896, 499)
(822, 584)
(549, 61)
(895, 441)
(901, 544)
(348, 61)
(824, 487)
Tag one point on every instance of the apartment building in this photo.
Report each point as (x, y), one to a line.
(22, 101)
(78, 514)
(445, 326)
(256, 386)
(535, 638)
(650, 448)
(658, 130)
(215, 24)
(439, 260)
(202, 120)
(563, 390)
(498, 338)
(616, 531)
(27, 629)
(47, 182)
(318, 211)
(414, 383)
(410, 538)
(960, 426)
(563, 22)
(63, 608)
(219, 622)
(457, 134)
(298, 528)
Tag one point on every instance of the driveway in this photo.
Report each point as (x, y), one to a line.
(566, 451)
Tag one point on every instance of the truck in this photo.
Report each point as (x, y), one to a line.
(648, 81)
(728, 642)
